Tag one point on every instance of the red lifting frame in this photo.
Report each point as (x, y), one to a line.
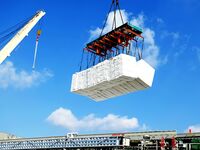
(117, 37)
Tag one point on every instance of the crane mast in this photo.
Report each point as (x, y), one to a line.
(19, 36)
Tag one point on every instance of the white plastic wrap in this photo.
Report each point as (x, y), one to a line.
(118, 76)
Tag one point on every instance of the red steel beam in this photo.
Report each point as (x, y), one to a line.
(134, 33)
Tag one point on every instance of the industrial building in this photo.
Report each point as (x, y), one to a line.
(5, 136)
(151, 140)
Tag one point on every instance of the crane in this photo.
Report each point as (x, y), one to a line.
(19, 36)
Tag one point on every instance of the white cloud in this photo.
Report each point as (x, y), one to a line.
(144, 127)
(151, 49)
(160, 20)
(12, 77)
(197, 50)
(174, 37)
(65, 118)
(198, 54)
(194, 128)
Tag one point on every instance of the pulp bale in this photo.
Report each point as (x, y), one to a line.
(114, 77)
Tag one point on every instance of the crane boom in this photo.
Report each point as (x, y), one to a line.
(12, 44)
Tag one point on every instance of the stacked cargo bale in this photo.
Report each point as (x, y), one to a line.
(114, 77)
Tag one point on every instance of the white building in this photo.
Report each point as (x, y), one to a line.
(4, 136)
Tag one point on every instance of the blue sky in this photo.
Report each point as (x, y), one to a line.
(171, 104)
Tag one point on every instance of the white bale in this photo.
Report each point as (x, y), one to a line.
(114, 77)
(74, 83)
(145, 72)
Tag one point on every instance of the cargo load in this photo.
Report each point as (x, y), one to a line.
(112, 64)
(114, 77)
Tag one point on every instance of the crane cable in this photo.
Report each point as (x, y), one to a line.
(115, 6)
(36, 47)
(7, 34)
(39, 31)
